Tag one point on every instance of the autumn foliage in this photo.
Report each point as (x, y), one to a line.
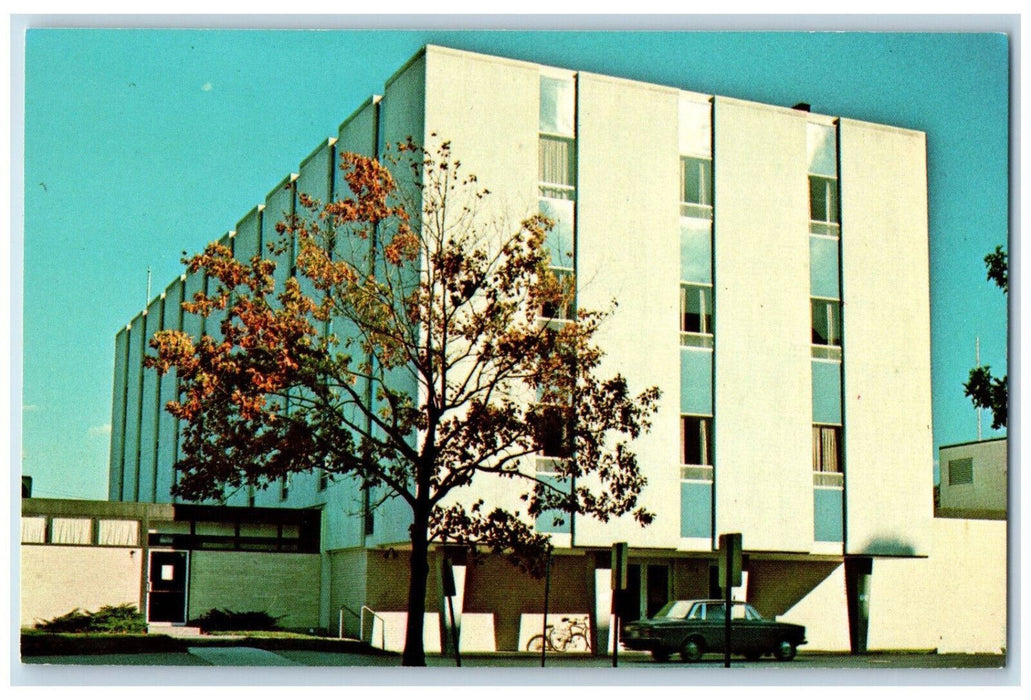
(407, 352)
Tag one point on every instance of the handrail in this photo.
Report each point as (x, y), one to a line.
(340, 633)
(383, 627)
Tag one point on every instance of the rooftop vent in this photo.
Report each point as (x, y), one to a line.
(802, 107)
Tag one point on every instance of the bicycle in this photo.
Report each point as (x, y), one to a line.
(569, 636)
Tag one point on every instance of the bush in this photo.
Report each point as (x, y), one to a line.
(215, 620)
(116, 619)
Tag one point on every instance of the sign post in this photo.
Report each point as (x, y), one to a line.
(730, 576)
(620, 553)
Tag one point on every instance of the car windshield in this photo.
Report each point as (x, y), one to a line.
(675, 609)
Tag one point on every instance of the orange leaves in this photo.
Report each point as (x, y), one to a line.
(405, 246)
(175, 349)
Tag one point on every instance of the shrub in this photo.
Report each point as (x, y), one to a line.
(118, 619)
(225, 620)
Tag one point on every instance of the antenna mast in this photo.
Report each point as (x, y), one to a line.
(977, 363)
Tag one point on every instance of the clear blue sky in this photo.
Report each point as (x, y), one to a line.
(142, 144)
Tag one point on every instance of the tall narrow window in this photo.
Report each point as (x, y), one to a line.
(564, 310)
(557, 171)
(823, 179)
(696, 187)
(823, 199)
(696, 443)
(826, 322)
(284, 487)
(696, 315)
(557, 186)
(826, 448)
(554, 436)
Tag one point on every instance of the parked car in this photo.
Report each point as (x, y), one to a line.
(693, 628)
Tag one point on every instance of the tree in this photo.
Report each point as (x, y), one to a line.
(436, 320)
(985, 390)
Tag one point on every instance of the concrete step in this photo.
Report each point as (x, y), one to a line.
(174, 630)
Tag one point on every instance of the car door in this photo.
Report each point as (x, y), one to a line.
(715, 622)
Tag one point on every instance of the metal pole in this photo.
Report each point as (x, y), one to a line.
(616, 594)
(544, 624)
(726, 596)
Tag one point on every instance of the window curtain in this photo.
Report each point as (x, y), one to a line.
(71, 531)
(830, 449)
(34, 530)
(124, 533)
(557, 164)
(825, 449)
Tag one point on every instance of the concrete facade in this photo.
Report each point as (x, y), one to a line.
(674, 194)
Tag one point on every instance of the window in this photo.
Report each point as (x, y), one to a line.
(71, 531)
(696, 440)
(554, 434)
(826, 448)
(696, 315)
(124, 533)
(559, 240)
(821, 142)
(564, 310)
(284, 487)
(823, 199)
(696, 187)
(323, 479)
(557, 172)
(961, 471)
(34, 530)
(557, 105)
(826, 324)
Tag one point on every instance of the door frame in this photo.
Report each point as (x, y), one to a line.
(186, 585)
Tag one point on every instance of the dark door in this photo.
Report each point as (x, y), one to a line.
(166, 598)
(658, 588)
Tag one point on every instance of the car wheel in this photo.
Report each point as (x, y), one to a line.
(692, 650)
(785, 650)
(660, 655)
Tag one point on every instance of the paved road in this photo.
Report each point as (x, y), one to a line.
(243, 656)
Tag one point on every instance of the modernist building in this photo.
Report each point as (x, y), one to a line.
(771, 268)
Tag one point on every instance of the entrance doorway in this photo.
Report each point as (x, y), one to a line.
(166, 589)
(647, 590)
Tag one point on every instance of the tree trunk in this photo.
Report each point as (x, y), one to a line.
(414, 654)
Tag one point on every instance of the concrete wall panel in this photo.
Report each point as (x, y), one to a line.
(288, 588)
(763, 417)
(886, 331)
(628, 242)
(55, 580)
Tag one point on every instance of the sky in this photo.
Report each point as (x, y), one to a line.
(143, 144)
